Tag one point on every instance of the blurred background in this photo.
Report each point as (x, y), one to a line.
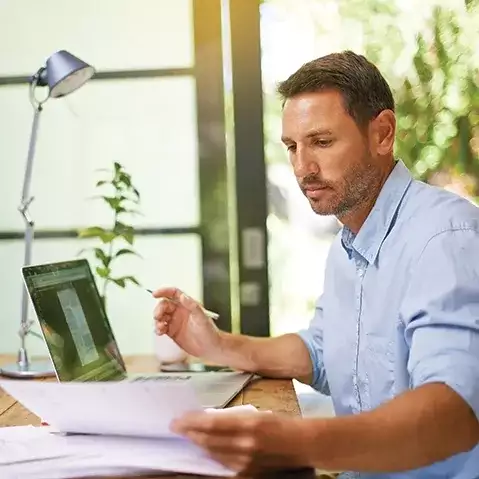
(184, 101)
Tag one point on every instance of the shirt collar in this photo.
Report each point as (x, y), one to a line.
(374, 230)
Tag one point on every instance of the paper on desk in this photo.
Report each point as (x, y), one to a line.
(138, 408)
(26, 444)
(86, 455)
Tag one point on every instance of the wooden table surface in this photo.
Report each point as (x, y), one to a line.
(275, 395)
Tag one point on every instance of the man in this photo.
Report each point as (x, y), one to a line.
(395, 336)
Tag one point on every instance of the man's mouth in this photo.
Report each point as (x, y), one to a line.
(315, 192)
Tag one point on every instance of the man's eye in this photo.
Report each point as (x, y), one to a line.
(291, 148)
(323, 143)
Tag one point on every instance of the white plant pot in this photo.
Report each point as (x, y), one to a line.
(167, 351)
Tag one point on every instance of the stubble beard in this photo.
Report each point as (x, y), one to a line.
(360, 185)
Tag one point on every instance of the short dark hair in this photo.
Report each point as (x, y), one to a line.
(364, 90)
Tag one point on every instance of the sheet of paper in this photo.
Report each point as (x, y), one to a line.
(86, 455)
(243, 408)
(27, 443)
(137, 408)
(166, 454)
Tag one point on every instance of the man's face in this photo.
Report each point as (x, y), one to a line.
(330, 155)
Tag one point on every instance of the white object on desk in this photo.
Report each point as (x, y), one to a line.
(167, 351)
(124, 430)
(16, 446)
(139, 408)
(86, 456)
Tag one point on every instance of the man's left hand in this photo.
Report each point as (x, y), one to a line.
(249, 442)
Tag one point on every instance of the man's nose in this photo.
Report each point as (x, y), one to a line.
(304, 163)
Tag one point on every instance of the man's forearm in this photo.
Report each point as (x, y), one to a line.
(416, 429)
(280, 357)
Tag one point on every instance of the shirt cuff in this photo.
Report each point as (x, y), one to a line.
(308, 339)
(457, 370)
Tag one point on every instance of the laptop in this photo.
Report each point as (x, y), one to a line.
(80, 340)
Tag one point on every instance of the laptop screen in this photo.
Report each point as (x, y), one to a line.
(73, 321)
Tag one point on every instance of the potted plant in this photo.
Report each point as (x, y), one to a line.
(117, 191)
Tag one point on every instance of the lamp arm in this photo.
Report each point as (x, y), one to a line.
(59, 67)
(25, 203)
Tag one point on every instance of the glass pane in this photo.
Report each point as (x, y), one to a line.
(108, 34)
(296, 233)
(165, 261)
(147, 125)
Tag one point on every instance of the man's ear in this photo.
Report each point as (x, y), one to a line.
(382, 132)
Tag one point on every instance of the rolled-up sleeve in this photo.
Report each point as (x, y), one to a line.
(440, 311)
(313, 339)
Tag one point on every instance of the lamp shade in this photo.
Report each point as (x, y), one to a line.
(64, 73)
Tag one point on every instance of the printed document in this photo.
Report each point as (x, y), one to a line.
(138, 408)
(29, 452)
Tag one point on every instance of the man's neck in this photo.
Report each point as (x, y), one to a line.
(355, 218)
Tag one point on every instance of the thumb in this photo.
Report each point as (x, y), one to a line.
(189, 303)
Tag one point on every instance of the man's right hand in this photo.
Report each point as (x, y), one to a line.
(183, 320)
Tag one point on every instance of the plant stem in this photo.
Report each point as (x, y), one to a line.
(110, 253)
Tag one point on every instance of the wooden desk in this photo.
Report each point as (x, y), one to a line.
(265, 394)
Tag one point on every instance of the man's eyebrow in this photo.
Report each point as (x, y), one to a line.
(310, 134)
(319, 132)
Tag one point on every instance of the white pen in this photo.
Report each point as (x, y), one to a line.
(208, 313)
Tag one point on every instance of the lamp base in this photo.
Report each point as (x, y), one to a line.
(31, 370)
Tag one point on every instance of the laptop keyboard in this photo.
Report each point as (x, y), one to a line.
(161, 378)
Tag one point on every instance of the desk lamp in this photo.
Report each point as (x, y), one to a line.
(63, 74)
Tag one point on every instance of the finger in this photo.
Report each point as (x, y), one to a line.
(244, 444)
(253, 463)
(243, 464)
(190, 304)
(161, 328)
(210, 422)
(175, 296)
(211, 442)
(165, 307)
(171, 293)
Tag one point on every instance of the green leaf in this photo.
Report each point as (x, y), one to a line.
(92, 232)
(125, 179)
(117, 167)
(119, 281)
(97, 232)
(103, 257)
(108, 237)
(127, 232)
(101, 183)
(114, 201)
(103, 272)
(120, 228)
(132, 280)
(471, 5)
(129, 237)
(423, 69)
(125, 251)
(122, 282)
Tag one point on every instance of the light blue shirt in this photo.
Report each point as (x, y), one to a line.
(400, 308)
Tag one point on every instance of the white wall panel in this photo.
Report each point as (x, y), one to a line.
(148, 125)
(109, 34)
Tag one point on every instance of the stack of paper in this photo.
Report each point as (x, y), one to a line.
(42, 453)
(117, 428)
(138, 408)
